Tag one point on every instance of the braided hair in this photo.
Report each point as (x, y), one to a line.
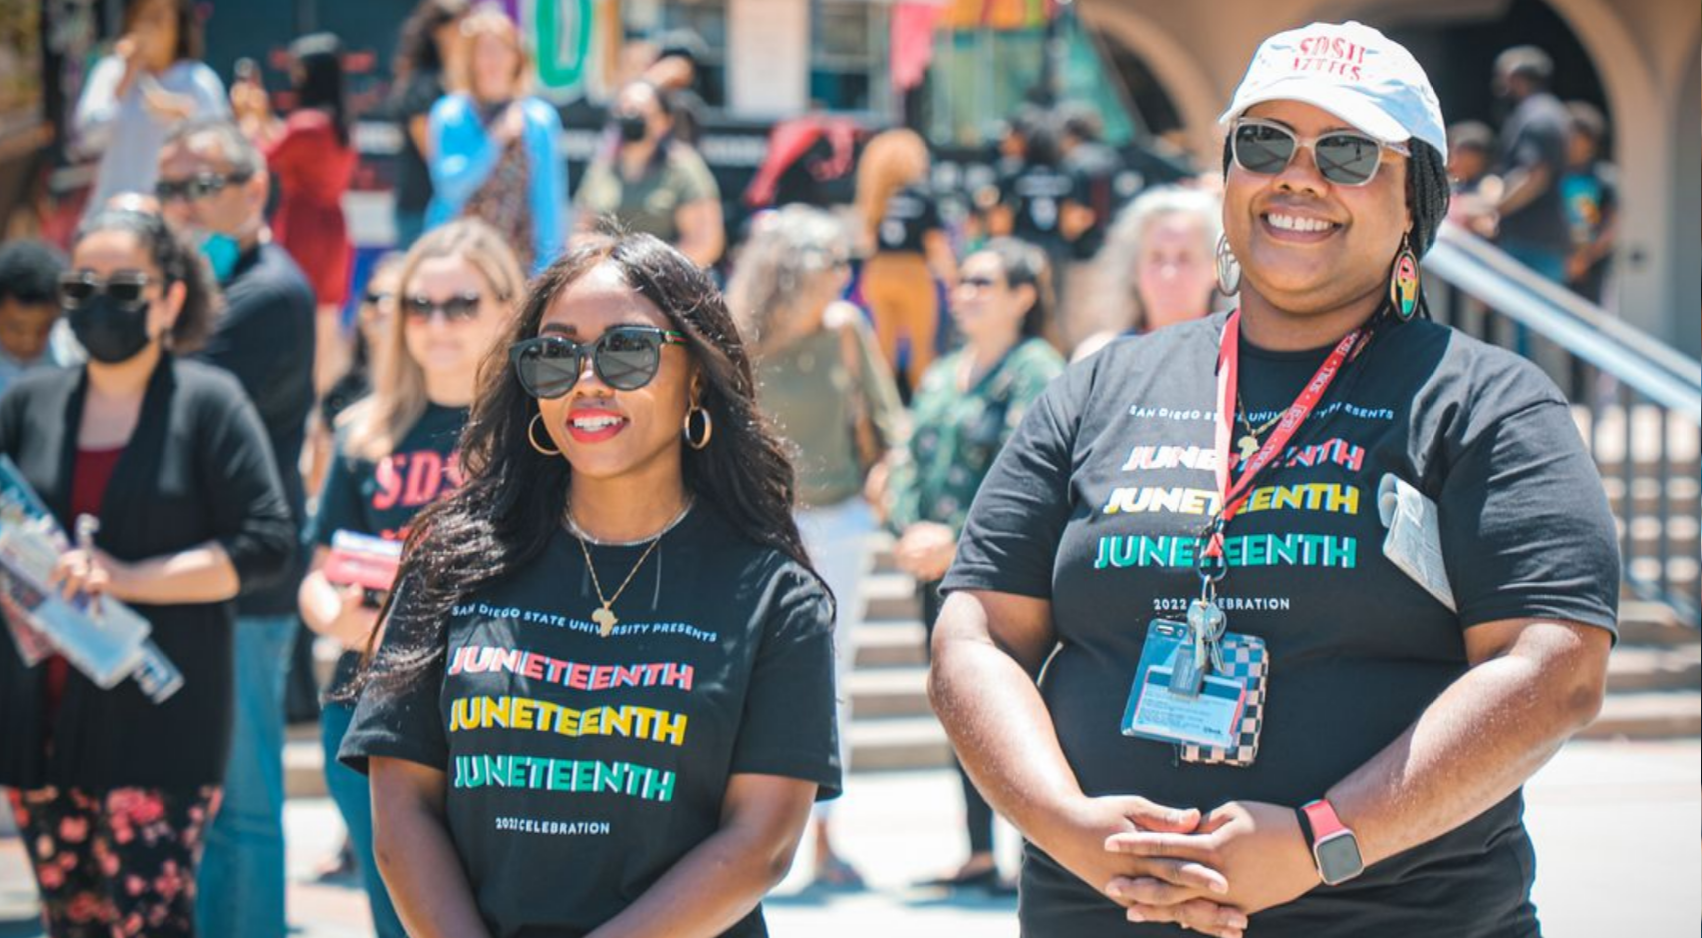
(1427, 198)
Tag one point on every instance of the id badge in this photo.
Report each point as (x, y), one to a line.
(1218, 724)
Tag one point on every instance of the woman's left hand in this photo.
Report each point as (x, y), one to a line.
(1258, 848)
(94, 572)
(926, 550)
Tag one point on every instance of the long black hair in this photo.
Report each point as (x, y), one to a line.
(416, 49)
(513, 498)
(320, 59)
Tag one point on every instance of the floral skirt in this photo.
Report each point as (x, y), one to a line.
(117, 863)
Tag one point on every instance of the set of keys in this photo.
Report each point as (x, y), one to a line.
(1206, 627)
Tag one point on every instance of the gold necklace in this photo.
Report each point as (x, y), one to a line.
(605, 616)
(1249, 442)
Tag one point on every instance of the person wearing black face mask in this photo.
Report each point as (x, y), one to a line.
(172, 459)
(651, 181)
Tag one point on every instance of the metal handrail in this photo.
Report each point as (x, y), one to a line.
(1651, 384)
(1654, 369)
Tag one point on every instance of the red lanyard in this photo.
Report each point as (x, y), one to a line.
(1228, 372)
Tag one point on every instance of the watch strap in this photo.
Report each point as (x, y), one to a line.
(1318, 820)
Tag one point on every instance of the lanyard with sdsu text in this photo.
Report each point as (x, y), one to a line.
(1235, 491)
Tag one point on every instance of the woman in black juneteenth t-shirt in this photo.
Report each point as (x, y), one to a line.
(604, 694)
(1412, 722)
(395, 454)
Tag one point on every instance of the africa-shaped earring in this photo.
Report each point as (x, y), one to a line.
(1228, 268)
(1404, 282)
(532, 437)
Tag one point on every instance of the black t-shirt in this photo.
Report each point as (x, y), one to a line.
(1095, 167)
(413, 179)
(1036, 195)
(910, 214)
(579, 768)
(381, 498)
(265, 337)
(1095, 505)
(1535, 135)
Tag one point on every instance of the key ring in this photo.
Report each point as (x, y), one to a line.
(1212, 568)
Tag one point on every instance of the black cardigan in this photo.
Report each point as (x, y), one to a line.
(197, 468)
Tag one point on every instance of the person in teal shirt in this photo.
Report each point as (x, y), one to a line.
(968, 405)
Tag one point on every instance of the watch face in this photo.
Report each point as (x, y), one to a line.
(1338, 858)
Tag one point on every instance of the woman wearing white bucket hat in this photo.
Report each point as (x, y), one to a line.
(1250, 706)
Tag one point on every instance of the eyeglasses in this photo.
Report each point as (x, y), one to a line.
(981, 283)
(1344, 157)
(125, 287)
(198, 186)
(421, 308)
(625, 358)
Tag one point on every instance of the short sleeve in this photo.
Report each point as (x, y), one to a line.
(692, 176)
(930, 220)
(1011, 538)
(398, 716)
(339, 500)
(1526, 529)
(790, 726)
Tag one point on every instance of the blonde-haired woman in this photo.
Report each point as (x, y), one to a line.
(1157, 266)
(831, 396)
(907, 249)
(395, 454)
(494, 154)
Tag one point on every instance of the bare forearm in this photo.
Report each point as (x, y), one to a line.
(714, 886)
(1478, 742)
(1522, 188)
(423, 873)
(199, 575)
(1003, 734)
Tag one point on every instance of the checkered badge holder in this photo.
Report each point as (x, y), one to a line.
(1244, 659)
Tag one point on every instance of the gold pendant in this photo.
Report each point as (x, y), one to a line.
(605, 619)
(1249, 446)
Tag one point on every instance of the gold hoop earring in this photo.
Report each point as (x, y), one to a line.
(1228, 268)
(532, 437)
(708, 427)
(1405, 281)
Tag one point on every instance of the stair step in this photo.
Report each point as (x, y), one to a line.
(304, 768)
(889, 692)
(1648, 623)
(892, 643)
(1649, 715)
(906, 743)
(890, 596)
(1632, 669)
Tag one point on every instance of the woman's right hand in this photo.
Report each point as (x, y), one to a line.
(1078, 839)
(339, 612)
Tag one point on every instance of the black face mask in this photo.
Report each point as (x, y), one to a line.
(632, 128)
(109, 332)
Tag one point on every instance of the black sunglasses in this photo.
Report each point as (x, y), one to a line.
(422, 308)
(198, 186)
(1344, 157)
(125, 287)
(625, 358)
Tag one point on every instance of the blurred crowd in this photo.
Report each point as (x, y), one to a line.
(897, 347)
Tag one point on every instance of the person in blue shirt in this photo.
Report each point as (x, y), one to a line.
(494, 154)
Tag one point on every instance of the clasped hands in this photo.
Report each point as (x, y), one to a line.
(1207, 872)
